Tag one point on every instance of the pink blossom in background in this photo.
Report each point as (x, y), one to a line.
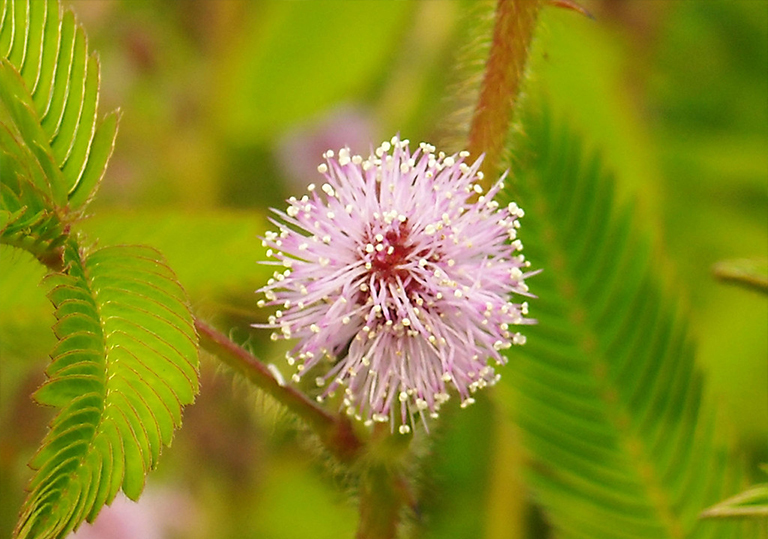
(159, 514)
(344, 127)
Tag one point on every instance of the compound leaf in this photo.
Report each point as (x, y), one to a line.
(125, 365)
(606, 392)
(49, 92)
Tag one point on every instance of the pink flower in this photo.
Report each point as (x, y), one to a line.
(397, 281)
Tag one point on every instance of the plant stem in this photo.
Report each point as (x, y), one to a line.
(384, 488)
(381, 502)
(751, 274)
(335, 431)
(504, 71)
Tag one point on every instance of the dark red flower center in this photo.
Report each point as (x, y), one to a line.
(387, 263)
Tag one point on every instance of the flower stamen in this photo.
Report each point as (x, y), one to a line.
(401, 270)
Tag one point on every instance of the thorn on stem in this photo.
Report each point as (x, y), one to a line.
(573, 6)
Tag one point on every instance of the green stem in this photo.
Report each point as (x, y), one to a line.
(335, 431)
(381, 503)
(751, 274)
(384, 487)
(504, 72)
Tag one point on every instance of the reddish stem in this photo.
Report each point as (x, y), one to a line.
(385, 488)
(504, 71)
(335, 431)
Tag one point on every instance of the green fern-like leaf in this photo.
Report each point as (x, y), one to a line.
(29, 190)
(126, 362)
(27, 220)
(49, 89)
(607, 394)
(125, 365)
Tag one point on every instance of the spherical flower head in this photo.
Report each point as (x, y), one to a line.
(400, 271)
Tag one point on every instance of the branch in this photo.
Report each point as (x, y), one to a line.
(751, 274)
(335, 431)
(512, 34)
(385, 487)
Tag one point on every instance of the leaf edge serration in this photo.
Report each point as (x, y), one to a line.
(607, 396)
(117, 409)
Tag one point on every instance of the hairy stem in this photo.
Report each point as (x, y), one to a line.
(335, 431)
(384, 487)
(381, 502)
(504, 71)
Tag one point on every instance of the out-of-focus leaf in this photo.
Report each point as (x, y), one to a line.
(25, 314)
(459, 470)
(579, 72)
(297, 504)
(705, 98)
(301, 57)
(607, 393)
(215, 251)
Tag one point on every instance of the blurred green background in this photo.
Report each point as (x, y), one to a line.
(226, 108)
